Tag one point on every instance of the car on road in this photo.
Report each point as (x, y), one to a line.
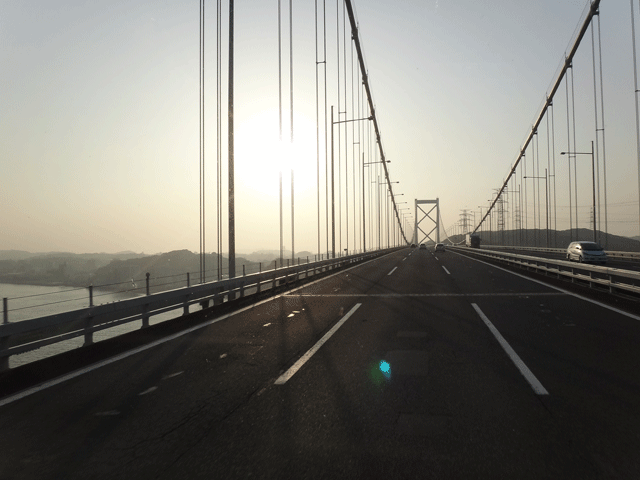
(439, 247)
(423, 246)
(586, 252)
(413, 245)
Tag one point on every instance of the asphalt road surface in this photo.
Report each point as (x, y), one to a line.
(414, 365)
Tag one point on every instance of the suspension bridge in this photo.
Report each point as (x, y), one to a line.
(368, 354)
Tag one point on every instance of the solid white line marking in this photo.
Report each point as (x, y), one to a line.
(445, 269)
(398, 295)
(524, 370)
(302, 360)
(394, 269)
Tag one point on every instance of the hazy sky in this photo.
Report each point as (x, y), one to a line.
(99, 115)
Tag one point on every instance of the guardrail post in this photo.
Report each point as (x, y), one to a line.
(186, 305)
(4, 361)
(88, 333)
(88, 323)
(145, 309)
(145, 315)
(217, 298)
(186, 298)
(242, 283)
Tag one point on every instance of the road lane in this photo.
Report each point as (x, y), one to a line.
(585, 354)
(464, 411)
(447, 401)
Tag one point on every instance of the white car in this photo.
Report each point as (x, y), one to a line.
(587, 252)
(439, 247)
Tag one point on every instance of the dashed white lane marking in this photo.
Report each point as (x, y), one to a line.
(148, 390)
(394, 269)
(445, 269)
(167, 377)
(282, 379)
(524, 370)
(436, 257)
(110, 413)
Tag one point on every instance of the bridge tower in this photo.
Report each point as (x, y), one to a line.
(420, 235)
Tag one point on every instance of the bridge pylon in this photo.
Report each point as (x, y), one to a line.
(420, 235)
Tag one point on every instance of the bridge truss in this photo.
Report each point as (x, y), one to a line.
(419, 234)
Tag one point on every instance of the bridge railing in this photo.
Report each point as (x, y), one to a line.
(26, 335)
(612, 279)
(612, 254)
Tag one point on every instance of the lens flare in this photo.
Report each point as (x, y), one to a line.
(385, 368)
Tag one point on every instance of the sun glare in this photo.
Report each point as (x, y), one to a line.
(261, 155)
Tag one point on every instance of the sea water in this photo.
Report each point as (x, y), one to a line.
(32, 301)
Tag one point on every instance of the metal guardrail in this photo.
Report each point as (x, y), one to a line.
(624, 255)
(27, 335)
(611, 278)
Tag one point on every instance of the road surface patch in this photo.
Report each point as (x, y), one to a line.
(421, 425)
(408, 362)
(405, 334)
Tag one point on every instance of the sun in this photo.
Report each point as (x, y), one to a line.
(260, 155)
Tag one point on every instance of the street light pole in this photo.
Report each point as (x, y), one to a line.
(364, 246)
(386, 212)
(593, 181)
(333, 203)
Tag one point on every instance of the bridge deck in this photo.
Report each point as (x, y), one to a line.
(412, 385)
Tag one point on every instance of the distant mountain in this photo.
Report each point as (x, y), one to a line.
(55, 268)
(268, 256)
(16, 254)
(167, 270)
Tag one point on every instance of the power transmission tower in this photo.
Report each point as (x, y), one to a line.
(464, 220)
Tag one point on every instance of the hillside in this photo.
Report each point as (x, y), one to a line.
(55, 268)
